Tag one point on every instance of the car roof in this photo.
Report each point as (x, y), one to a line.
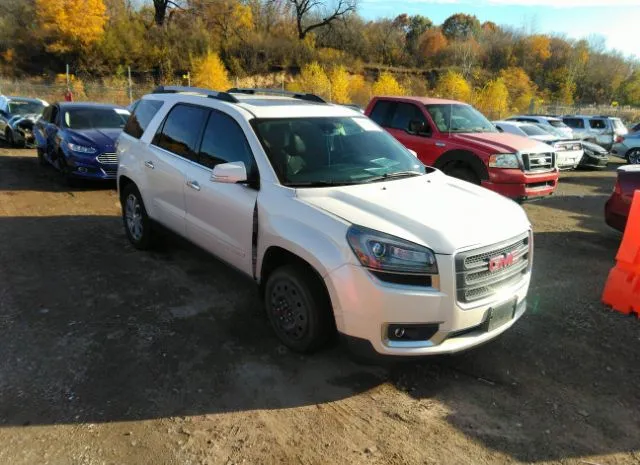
(422, 100)
(515, 123)
(84, 105)
(540, 117)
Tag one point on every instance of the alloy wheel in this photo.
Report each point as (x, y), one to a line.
(133, 215)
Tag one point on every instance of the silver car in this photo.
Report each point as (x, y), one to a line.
(17, 117)
(603, 130)
(628, 147)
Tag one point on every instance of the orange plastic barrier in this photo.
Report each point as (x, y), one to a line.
(622, 291)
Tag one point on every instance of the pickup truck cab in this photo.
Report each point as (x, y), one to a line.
(330, 216)
(457, 139)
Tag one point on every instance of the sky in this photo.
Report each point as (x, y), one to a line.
(618, 21)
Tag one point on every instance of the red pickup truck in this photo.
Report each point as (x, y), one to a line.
(459, 140)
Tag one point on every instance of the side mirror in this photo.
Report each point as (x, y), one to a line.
(229, 173)
(418, 127)
(413, 152)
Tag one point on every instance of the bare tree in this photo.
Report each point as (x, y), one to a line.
(160, 7)
(312, 14)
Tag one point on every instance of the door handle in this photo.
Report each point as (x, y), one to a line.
(193, 185)
(440, 144)
(149, 164)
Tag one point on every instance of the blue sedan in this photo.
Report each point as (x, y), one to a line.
(79, 139)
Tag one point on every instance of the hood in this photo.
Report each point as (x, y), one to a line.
(103, 139)
(547, 138)
(434, 210)
(590, 146)
(501, 142)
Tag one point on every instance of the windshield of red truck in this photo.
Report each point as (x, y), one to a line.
(459, 118)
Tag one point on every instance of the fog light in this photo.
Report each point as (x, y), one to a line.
(398, 332)
(82, 169)
(412, 332)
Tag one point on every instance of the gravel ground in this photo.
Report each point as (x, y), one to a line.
(113, 356)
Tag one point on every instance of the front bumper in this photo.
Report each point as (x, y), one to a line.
(87, 167)
(519, 185)
(569, 159)
(592, 160)
(364, 308)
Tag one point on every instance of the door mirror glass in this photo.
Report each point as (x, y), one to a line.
(229, 173)
(413, 152)
(418, 127)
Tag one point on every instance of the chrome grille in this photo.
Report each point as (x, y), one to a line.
(539, 161)
(474, 278)
(108, 158)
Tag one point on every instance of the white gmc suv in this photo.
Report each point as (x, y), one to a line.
(339, 225)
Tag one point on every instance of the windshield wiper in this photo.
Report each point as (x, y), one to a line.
(319, 184)
(395, 175)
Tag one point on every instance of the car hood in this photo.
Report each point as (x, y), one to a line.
(547, 139)
(501, 142)
(28, 117)
(103, 139)
(434, 210)
(595, 148)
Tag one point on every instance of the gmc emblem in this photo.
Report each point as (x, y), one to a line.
(500, 262)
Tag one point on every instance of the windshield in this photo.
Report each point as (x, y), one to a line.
(92, 118)
(313, 152)
(459, 118)
(551, 130)
(557, 124)
(25, 107)
(531, 130)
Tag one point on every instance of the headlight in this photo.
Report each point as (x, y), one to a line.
(383, 252)
(81, 148)
(504, 160)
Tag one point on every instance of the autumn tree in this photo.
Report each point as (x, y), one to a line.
(493, 99)
(230, 19)
(340, 85)
(630, 90)
(432, 43)
(312, 14)
(454, 86)
(70, 25)
(521, 89)
(161, 8)
(209, 72)
(386, 84)
(413, 27)
(461, 27)
(359, 90)
(312, 79)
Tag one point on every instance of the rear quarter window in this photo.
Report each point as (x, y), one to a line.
(576, 123)
(597, 124)
(142, 115)
(381, 111)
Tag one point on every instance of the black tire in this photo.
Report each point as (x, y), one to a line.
(463, 172)
(8, 137)
(41, 159)
(66, 172)
(137, 224)
(633, 156)
(298, 308)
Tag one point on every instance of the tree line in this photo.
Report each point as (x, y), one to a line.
(326, 44)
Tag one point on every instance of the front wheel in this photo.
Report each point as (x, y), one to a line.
(137, 224)
(633, 157)
(462, 172)
(41, 159)
(8, 137)
(298, 308)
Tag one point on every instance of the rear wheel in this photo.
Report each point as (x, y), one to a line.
(633, 156)
(298, 308)
(41, 158)
(8, 137)
(462, 171)
(137, 224)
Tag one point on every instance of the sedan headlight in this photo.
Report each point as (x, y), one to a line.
(504, 160)
(383, 252)
(81, 148)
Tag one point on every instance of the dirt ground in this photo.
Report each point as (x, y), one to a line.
(113, 356)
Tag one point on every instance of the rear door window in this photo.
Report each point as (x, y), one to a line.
(597, 124)
(142, 115)
(576, 123)
(404, 114)
(381, 111)
(181, 131)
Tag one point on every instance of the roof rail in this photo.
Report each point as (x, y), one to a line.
(284, 93)
(224, 96)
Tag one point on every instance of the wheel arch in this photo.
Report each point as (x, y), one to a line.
(465, 157)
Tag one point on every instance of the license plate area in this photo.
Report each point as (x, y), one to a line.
(501, 315)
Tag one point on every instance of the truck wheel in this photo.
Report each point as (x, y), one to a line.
(633, 156)
(41, 159)
(298, 308)
(463, 172)
(137, 224)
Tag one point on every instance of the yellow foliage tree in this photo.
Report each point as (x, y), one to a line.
(209, 72)
(70, 25)
(454, 86)
(521, 89)
(387, 85)
(312, 79)
(540, 47)
(493, 99)
(340, 85)
(359, 90)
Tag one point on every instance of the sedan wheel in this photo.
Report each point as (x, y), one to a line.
(634, 157)
(8, 136)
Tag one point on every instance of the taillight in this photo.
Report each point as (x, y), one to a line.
(617, 189)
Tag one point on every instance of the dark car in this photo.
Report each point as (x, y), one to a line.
(634, 128)
(595, 156)
(617, 208)
(79, 139)
(17, 117)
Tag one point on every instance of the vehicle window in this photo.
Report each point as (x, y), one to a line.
(334, 150)
(180, 133)
(459, 118)
(513, 130)
(95, 118)
(380, 112)
(404, 114)
(557, 123)
(25, 107)
(527, 120)
(531, 130)
(576, 123)
(597, 124)
(142, 115)
(224, 142)
(46, 114)
(54, 115)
